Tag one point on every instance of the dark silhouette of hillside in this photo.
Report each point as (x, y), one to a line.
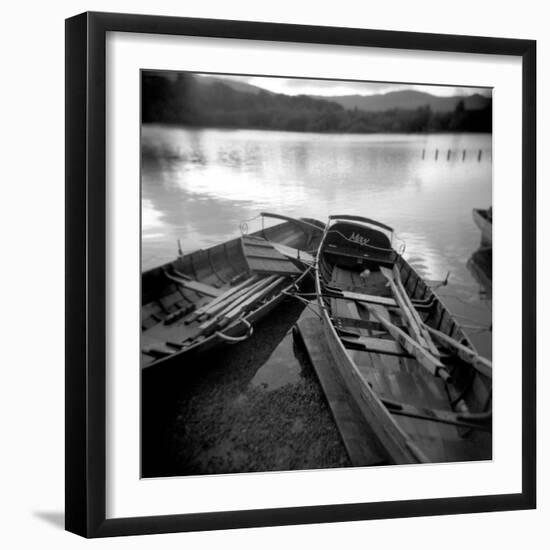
(408, 100)
(186, 100)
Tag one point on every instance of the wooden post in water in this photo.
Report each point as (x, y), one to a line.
(479, 156)
(449, 154)
(464, 155)
(423, 154)
(436, 153)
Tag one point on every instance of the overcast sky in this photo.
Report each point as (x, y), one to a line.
(296, 86)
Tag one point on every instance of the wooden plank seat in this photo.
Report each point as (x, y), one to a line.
(294, 253)
(262, 257)
(347, 309)
(196, 286)
(178, 314)
(340, 292)
(476, 421)
(285, 250)
(360, 297)
(345, 322)
(377, 345)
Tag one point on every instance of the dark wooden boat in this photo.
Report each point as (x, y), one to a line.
(409, 367)
(215, 296)
(484, 220)
(480, 265)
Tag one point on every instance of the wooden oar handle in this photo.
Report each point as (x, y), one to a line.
(443, 373)
(223, 323)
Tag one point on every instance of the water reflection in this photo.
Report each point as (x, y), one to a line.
(280, 369)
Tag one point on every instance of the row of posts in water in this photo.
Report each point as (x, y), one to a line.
(450, 154)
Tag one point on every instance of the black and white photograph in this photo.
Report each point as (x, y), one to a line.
(266, 316)
(316, 287)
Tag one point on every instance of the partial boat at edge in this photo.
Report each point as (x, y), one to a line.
(483, 218)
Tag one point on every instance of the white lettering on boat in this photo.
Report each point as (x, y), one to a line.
(359, 239)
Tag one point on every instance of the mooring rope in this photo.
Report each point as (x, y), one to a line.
(307, 303)
(243, 226)
(237, 339)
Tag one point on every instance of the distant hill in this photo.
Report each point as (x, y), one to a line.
(403, 99)
(188, 100)
(206, 80)
(407, 99)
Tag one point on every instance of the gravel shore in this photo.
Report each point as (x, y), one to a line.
(223, 416)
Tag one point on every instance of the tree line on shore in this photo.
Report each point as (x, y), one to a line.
(185, 100)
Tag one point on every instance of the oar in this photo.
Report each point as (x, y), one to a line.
(472, 421)
(196, 286)
(410, 315)
(241, 309)
(220, 306)
(484, 366)
(423, 356)
(466, 354)
(231, 293)
(242, 295)
(208, 326)
(431, 346)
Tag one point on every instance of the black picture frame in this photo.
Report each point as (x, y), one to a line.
(86, 262)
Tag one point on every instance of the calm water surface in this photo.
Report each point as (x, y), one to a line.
(198, 186)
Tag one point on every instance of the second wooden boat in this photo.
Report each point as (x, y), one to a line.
(215, 296)
(410, 368)
(480, 265)
(484, 220)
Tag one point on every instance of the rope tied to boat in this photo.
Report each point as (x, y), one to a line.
(237, 339)
(307, 303)
(243, 226)
(434, 285)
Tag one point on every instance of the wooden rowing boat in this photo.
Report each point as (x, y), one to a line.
(484, 220)
(215, 296)
(480, 266)
(411, 370)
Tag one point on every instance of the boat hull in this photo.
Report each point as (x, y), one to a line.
(485, 226)
(215, 268)
(405, 440)
(239, 330)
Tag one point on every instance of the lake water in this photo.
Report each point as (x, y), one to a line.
(198, 186)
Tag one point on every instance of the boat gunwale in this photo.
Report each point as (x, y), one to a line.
(485, 225)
